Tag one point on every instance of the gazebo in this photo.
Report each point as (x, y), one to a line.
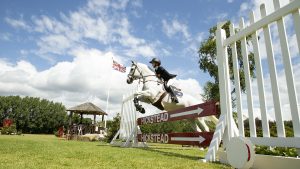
(84, 109)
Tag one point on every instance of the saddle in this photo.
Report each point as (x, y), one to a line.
(158, 103)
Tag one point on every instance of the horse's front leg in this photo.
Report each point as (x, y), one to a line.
(140, 96)
(143, 94)
(137, 105)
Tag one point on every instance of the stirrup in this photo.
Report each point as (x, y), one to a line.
(174, 99)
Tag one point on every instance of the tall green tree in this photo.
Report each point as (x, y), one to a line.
(33, 115)
(208, 63)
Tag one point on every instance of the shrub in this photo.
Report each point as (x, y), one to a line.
(9, 130)
(277, 151)
(56, 133)
(113, 127)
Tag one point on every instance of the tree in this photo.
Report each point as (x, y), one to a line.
(113, 127)
(33, 115)
(208, 63)
(211, 91)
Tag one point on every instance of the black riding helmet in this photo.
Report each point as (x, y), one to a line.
(155, 60)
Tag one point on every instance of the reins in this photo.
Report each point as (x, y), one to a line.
(142, 76)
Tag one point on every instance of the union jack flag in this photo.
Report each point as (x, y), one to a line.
(117, 66)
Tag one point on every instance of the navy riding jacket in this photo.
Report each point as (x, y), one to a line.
(164, 74)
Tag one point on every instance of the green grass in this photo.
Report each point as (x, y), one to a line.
(47, 151)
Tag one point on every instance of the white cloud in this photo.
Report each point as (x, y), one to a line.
(119, 4)
(150, 27)
(244, 8)
(174, 27)
(219, 17)
(56, 44)
(230, 1)
(146, 51)
(85, 78)
(191, 87)
(103, 21)
(137, 3)
(98, 6)
(89, 27)
(193, 46)
(185, 73)
(17, 23)
(126, 38)
(216, 17)
(5, 36)
(109, 28)
(44, 24)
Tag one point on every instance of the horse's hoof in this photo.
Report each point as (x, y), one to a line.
(175, 100)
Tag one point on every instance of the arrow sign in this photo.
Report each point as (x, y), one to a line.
(202, 139)
(199, 139)
(196, 111)
(199, 110)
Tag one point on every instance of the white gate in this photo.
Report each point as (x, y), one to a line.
(127, 121)
(225, 85)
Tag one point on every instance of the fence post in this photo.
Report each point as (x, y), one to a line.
(224, 79)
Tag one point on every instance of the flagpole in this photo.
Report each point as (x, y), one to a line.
(120, 68)
(107, 99)
(107, 96)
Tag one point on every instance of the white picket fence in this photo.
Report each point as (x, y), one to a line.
(278, 18)
(226, 129)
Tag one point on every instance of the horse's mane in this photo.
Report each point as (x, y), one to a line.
(146, 67)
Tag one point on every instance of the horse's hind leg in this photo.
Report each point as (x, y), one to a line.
(213, 119)
(194, 125)
(203, 124)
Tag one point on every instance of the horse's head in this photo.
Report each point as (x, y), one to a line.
(134, 73)
(138, 71)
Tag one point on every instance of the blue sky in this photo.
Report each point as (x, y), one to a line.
(151, 21)
(61, 49)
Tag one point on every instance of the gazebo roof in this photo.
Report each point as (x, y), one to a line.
(87, 108)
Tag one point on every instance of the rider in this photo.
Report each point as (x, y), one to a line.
(165, 76)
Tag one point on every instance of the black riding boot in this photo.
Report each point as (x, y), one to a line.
(173, 95)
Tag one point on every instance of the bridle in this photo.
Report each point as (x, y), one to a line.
(136, 68)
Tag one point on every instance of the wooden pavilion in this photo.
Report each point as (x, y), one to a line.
(88, 108)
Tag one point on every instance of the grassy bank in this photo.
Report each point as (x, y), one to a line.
(47, 151)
